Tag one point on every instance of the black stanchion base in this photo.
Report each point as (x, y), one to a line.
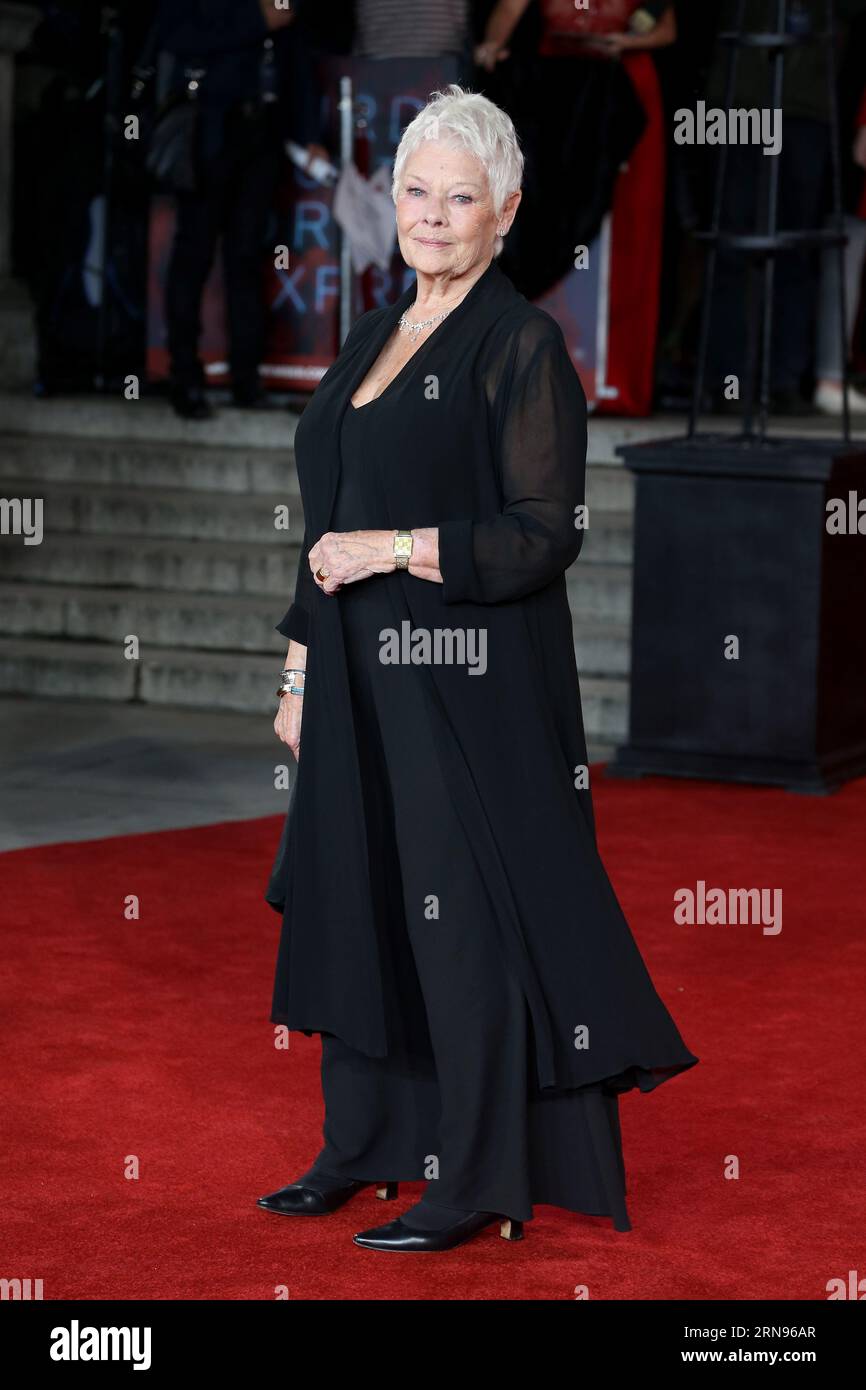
(748, 624)
(812, 779)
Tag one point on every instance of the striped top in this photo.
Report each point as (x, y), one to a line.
(410, 28)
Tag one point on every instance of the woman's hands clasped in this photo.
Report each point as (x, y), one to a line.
(344, 557)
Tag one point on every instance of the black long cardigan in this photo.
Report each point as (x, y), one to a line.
(484, 436)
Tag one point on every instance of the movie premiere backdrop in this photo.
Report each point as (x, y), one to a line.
(607, 309)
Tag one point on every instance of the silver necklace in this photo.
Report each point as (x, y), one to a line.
(414, 329)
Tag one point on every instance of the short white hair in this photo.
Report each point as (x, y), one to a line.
(468, 120)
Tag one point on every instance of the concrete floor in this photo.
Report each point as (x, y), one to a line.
(81, 770)
(76, 770)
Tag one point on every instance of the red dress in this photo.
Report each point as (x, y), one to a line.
(562, 21)
(638, 206)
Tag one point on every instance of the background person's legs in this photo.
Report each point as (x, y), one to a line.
(802, 205)
(830, 360)
(192, 253)
(248, 207)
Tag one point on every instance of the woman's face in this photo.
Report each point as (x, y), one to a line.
(446, 223)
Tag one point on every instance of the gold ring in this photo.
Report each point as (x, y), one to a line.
(323, 574)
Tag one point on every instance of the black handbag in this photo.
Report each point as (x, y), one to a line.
(170, 135)
(172, 157)
(168, 130)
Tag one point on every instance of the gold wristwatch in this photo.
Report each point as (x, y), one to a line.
(403, 542)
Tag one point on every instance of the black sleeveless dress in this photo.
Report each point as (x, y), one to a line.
(456, 1101)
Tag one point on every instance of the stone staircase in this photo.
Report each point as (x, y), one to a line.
(165, 530)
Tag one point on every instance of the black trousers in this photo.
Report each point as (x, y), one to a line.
(239, 177)
(456, 1102)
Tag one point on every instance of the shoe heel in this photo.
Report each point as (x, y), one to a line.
(387, 1191)
(511, 1230)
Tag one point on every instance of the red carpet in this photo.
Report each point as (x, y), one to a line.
(151, 1038)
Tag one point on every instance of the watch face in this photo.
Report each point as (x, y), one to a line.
(403, 545)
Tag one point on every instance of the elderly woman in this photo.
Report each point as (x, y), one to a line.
(449, 928)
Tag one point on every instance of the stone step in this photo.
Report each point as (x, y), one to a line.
(223, 567)
(164, 529)
(609, 537)
(602, 649)
(209, 678)
(103, 509)
(157, 617)
(146, 464)
(152, 419)
(78, 670)
(241, 567)
(149, 420)
(609, 487)
(99, 508)
(600, 592)
(206, 622)
(96, 670)
(604, 700)
(216, 680)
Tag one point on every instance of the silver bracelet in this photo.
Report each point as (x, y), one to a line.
(288, 684)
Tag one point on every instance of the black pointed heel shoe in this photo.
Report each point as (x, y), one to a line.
(309, 1199)
(398, 1236)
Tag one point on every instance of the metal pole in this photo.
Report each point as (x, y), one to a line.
(347, 135)
(772, 227)
(710, 276)
(753, 333)
(838, 219)
(113, 59)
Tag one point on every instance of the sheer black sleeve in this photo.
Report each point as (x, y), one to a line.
(540, 410)
(295, 623)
